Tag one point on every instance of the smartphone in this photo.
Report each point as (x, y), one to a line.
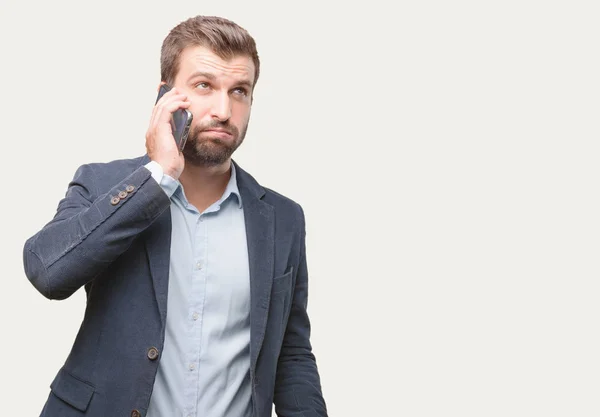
(181, 120)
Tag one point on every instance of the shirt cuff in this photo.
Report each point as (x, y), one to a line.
(166, 182)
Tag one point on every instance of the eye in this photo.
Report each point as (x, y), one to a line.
(202, 85)
(241, 91)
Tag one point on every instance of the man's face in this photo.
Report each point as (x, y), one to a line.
(220, 93)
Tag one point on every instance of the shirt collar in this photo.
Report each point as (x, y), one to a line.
(232, 187)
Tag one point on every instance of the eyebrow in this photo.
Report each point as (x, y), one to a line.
(210, 76)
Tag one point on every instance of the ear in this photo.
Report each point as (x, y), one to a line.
(159, 84)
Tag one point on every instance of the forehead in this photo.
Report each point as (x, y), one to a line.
(194, 59)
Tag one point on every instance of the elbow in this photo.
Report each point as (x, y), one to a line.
(35, 271)
(38, 275)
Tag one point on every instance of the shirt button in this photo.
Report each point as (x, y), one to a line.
(136, 413)
(198, 265)
(195, 316)
(192, 366)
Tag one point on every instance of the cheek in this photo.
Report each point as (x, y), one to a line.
(240, 115)
(199, 112)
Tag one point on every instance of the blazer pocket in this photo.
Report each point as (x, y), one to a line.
(283, 282)
(72, 390)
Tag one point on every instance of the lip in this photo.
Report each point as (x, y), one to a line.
(220, 132)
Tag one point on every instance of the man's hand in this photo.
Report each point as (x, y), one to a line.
(160, 143)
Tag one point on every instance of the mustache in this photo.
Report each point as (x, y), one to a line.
(215, 124)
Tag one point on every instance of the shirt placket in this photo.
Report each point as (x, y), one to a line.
(196, 312)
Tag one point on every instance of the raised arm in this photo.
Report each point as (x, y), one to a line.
(90, 231)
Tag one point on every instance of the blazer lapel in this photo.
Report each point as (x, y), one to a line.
(158, 244)
(260, 235)
(158, 248)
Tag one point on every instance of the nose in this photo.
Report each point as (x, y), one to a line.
(221, 108)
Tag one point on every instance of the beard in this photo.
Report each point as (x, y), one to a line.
(212, 151)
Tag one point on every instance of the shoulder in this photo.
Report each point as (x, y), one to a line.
(287, 208)
(104, 175)
(282, 202)
(117, 165)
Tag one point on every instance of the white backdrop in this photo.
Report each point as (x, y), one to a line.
(445, 153)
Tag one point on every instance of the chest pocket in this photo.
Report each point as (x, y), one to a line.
(281, 295)
(283, 283)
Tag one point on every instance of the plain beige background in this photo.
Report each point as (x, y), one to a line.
(446, 156)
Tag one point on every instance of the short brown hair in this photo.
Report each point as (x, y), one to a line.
(224, 37)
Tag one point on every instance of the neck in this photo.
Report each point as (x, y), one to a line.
(204, 185)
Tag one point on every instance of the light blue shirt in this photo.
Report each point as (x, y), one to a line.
(204, 368)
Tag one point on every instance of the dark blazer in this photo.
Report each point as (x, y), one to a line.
(111, 233)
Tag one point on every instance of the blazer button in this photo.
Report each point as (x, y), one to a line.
(130, 188)
(136, 413)
(114, 201)
(122, 194)
(152, 353)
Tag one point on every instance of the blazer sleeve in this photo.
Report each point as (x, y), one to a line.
(298, 386)
(89, 231)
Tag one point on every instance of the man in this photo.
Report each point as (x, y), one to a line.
(195, 275)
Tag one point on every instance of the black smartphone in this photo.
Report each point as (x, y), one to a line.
(180, 120)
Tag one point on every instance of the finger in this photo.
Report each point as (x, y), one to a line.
(168, 95)
(164, 98)
(166, 102)
(171, 104)
(165, 112)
